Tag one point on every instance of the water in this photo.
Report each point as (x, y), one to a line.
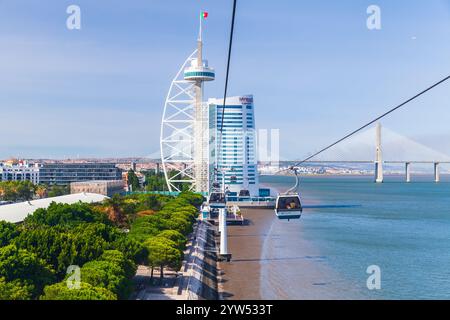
(350, 223)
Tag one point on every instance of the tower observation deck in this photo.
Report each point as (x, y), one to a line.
(184, 127)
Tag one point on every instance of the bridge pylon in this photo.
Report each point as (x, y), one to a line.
(379, 158)
(436, 172)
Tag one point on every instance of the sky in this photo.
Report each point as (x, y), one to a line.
(316, 71)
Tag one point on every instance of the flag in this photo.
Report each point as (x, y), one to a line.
(204, 15)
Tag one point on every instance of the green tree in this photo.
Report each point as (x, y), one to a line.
(65, 214)
(51, 244)
(175, 236)
(60, 291)
(25, 190)
(18, 264)
(8, 231)
(192, 198)
(145, 227)
(149, 201)
(180, 224)
(16, 190)
(108, 275)
(163, 253)
(15, 290)
(131, 248)
(133, 180)
(114, 256)
(57, 191)
(61, 247)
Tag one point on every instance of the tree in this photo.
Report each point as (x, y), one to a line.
(65, 214)
(8, 231)
(192, 198)
(16, 190)
(180, 224)
(131, 248)
(175, 236)
(16, 264)
(108, 275)
(152, 202)
(133, 180)
(60, 291)
(163, 253)
(114, 209)
(118, 258)
(15, 290)
(155, 181)
(61, 247)
(57, 191)
(42, 191)
(25, 190)
(51, 244)
(146, 226)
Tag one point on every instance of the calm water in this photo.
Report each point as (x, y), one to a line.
(402, 228)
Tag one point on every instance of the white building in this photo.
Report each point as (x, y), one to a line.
(19, 171)
(17, 212)
(237, 158)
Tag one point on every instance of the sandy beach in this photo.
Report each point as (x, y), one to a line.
(240, 278)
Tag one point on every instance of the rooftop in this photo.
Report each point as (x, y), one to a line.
(17, 212)
(90, 182)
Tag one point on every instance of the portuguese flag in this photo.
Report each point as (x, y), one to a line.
(204, 15)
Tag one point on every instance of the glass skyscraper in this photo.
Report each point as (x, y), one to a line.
(237, 158)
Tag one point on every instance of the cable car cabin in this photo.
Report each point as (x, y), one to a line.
(244, 193)
(217, 200)
(288, 207)
(216, 185)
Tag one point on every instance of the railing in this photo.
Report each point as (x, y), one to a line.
(250, 199)
(205, 194)
(163, 193)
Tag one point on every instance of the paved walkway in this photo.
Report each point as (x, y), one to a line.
(187, 284)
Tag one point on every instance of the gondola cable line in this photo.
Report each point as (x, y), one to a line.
(217, 195)
(279, 200)
(295, 207)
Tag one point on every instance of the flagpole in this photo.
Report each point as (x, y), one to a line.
(200, 31)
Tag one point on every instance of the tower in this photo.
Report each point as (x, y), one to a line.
(184, 127)
(379, 159)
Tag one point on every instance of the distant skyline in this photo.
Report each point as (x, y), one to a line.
(315, 70)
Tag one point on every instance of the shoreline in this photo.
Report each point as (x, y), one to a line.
(259, 252)
(240, 278)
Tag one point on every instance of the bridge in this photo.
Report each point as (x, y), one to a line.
(379, 163)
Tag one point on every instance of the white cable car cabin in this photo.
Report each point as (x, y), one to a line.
(288, 205)
(244, 193)
(217, 200)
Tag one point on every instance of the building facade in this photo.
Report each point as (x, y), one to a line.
(237, 156)
(105, 187)
(65, 173)
(19, 171)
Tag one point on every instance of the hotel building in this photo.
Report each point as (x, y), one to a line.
(237, 157)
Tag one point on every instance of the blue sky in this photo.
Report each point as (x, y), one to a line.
(314, 68)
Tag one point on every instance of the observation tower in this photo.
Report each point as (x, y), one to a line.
(185, 128)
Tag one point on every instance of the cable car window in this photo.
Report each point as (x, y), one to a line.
(288, 203)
